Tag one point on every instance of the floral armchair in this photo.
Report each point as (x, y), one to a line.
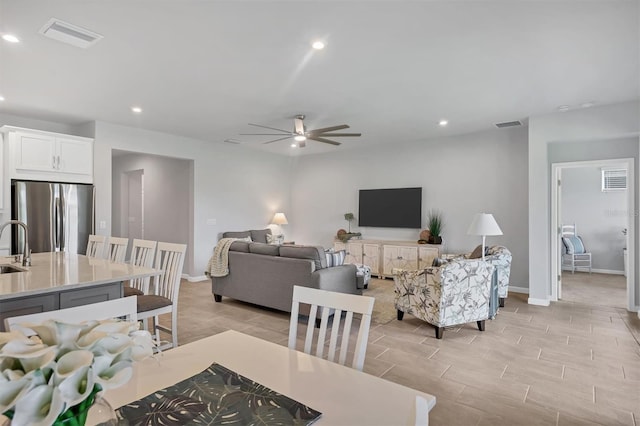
(500, 257)
(455, 293)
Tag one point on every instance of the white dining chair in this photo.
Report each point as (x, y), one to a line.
(117, 249)
(331, 302)
(95, 246)
(163, 299)
(124, 307)
(142, 254)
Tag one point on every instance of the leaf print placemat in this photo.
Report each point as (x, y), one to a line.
(217, 396)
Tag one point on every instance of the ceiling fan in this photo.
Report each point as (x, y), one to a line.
(301, 134)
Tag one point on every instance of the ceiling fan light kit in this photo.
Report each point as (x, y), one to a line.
(301, 134)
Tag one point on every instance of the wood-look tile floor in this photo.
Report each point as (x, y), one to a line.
(566, 364)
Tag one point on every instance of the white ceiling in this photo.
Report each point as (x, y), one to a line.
(391, 69)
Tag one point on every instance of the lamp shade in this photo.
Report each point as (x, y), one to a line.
(484, 224)
(279, 219)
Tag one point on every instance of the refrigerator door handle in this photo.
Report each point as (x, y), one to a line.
(58, 219)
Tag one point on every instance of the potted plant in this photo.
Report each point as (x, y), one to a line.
(349, 217)
(434, 221)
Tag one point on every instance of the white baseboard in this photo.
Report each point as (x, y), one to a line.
(194, 279)
(539, 302)
(514, 289)
(597, 271)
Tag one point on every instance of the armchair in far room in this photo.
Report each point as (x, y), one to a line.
(575, 254)
(458, 292)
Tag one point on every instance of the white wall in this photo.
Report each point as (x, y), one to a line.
(461, 176)
(166, 197)
(599, 216)
(238, 187)
(596, 123)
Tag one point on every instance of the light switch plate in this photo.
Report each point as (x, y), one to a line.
(211, 221)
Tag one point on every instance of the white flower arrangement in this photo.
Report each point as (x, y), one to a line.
(55, 374)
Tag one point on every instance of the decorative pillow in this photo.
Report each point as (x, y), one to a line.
(335, 258)
(271, 239)
(476, 253)
(246, 239)
(573, 245)
(439, 261)
(260, 235)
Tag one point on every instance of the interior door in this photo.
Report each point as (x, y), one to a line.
(558, 230)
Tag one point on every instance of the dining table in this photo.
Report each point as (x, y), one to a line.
(344, 396)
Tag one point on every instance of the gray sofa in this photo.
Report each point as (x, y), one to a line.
(264, 274)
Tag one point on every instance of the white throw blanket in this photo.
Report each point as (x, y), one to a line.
(218, 265)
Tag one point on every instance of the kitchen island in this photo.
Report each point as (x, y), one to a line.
(62, 280)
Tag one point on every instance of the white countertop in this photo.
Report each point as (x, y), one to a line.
(53, 272)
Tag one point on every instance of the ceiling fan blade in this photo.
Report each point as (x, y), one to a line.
(276, 140)
(341, 134)
(267, 127)
(328, 129)
(260, 134)
(319, 139)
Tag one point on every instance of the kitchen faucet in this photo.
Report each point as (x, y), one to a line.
(26, 253)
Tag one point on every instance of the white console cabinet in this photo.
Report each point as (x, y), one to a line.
(39, 155)
(382, 256)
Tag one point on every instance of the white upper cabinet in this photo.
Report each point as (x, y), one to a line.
(38, 155)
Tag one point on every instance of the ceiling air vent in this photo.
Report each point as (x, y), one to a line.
(508, 124)
(69, 33)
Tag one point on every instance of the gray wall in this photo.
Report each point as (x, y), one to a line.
(596, 123)
(599, 216)
(461, 176)
(166, 196)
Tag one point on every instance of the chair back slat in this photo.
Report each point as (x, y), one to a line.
(332, 304)
(142, 254)
(169, 258)
(95, 246)
(117, 249)
(124, 307)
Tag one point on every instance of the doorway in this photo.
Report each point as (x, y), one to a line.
(132, 204)
(619, 216)
(152, 199)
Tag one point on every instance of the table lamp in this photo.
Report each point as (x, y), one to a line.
(484, 224)
(279, 219)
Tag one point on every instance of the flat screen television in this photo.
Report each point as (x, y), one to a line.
(390, 208)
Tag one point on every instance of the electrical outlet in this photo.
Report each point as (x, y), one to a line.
(211, 221)
(103, 224)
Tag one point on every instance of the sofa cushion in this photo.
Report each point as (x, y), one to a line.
(242, 246)
(263, 248)
(315, 253)
(243, 234)
(260, 235)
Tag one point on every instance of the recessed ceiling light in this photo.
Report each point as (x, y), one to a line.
(136, 109)
(293, 145)
(443, 123)
(300, 138)
(318, 45)
(10, 38)
(563, 108)
(1, 98)
(587, 104)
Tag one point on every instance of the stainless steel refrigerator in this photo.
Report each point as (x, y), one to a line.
(60, 216)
